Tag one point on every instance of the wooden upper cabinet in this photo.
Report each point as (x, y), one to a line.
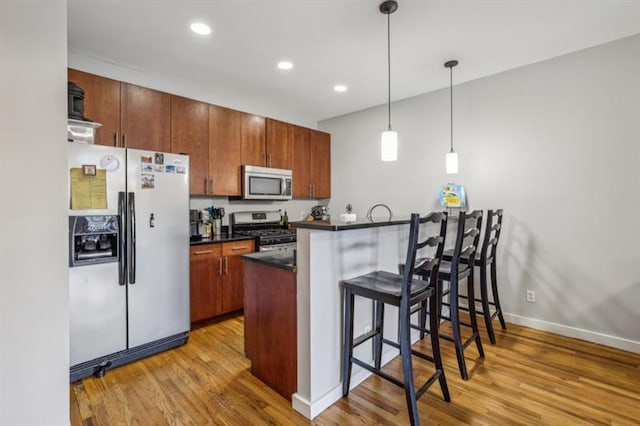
(279, 140)
(101, 104)
(131, 116)
(190, 135)
(320, 163)
(225, 150)
(145, 118)
(311, 153)
(300, 165)
(253, 134)
(219, 140)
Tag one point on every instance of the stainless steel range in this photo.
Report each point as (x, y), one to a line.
(265, 227)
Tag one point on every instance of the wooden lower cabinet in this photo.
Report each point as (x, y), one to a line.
(217, 278)
(270, 326)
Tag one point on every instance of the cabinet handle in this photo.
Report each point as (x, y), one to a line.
(220, 266)
(203, 252)
(124, 140)
(206, 185)
(117, 139)
(239, 248)
(226, 265)
(264, 160)
(269, 156)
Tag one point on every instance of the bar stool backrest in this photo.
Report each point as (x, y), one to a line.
(428, 267)
(491, 235)
(467, 237)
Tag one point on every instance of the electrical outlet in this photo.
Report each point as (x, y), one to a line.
(531, 296)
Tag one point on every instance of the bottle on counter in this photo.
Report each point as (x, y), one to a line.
(285, 220)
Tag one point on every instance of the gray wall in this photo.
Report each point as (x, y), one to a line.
(34, 296)
(556, 145)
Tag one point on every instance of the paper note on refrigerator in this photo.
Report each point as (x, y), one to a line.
(88, 192)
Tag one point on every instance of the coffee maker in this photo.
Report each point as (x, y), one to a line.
(195, 223)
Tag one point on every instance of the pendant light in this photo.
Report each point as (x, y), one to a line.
(452, 156)
(389, 141)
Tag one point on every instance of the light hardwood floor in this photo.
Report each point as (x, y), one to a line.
(528, 378)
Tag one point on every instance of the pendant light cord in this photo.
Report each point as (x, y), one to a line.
(389, 67)
(451, 98)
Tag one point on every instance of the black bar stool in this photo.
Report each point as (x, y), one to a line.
(454, 270)
(486, 258)
(403, 291)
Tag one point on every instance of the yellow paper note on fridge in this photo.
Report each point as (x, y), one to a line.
(88, 191)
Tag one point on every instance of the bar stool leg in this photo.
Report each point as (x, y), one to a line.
(455, 326)
(472, 313)
(407, 365)
(347, 348)
(494, 289)
(434, 319)
(423, 318)
(484, 297)
(379, 328)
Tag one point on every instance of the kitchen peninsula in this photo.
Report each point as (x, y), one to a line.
(270, 318)
(328, 252)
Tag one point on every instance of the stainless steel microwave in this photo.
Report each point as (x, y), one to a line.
(265, 183)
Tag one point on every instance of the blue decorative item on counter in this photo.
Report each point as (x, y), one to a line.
(452, 195)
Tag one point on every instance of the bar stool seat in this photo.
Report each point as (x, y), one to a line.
(400, 290)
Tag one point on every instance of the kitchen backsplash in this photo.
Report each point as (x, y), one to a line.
(296, 209)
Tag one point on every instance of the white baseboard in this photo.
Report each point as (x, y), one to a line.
(312, 409)
(578, 333)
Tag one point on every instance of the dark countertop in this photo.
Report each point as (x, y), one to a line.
(280, 258)
(222, 238)
(336, 225)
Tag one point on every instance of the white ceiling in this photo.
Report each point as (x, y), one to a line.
(338, 41)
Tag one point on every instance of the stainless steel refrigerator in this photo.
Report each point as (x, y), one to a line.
(128, 255)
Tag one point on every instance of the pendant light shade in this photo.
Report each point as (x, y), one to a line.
(452, 156)
(389, 146)
(452, 162)
(389, 142)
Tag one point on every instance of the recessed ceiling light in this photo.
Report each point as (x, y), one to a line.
(200, 28)
(340, 88)
(285, 65)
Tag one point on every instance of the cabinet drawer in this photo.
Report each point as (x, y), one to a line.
(204, 251)
(238, 247)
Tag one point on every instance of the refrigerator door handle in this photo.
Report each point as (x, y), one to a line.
(132, 238)
(122, 250)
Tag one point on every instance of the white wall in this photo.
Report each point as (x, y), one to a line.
(217, 95)
(34, 297)
(556, 145)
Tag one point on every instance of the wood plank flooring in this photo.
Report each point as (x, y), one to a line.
(528, 378)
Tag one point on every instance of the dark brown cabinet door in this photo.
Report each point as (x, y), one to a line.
(279, 141)
(253, 134)
(225, 151)
(233, 284)
(205, 281)
(320, 163)
(101, 104)
(300, 165)
(145, 118)
(190, 135)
